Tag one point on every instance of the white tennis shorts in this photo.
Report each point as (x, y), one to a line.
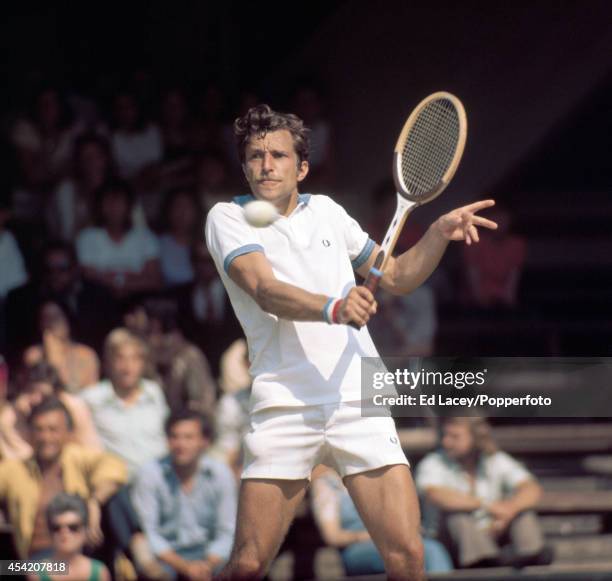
(288, 442)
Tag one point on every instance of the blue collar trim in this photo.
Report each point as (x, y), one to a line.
(246, 198)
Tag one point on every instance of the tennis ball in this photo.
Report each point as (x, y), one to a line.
(260, 213)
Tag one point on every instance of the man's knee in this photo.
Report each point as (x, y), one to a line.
(403, 556)
(244, 566)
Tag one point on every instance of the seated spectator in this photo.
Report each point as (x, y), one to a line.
(128, 411)
(56, 465)
(232, 415)
(70, 208)
(187, 501)
(478, 498)
(89, 306)
(212, 180)
(494, 266)
(175, 124)
(76, 364)
(43, 139)
(341, 526)
(183, 221)
(205, 314)
(67, 520)
(182, 368)
(13, 268)
(114, 253)
(42, 382)
(136, 144)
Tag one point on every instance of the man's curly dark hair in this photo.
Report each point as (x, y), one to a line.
(261, 119)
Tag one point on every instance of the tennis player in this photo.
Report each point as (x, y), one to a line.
(292, 286)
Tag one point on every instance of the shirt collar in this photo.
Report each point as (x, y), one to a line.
(246, 198)
(113, 399)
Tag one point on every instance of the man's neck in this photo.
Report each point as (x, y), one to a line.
(127, 394)
(49, 466)
(288, 204)
(186, 472)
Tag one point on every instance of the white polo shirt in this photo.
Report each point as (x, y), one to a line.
(316, 248)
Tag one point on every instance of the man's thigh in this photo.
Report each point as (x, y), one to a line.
(387, 502)
(266, 508)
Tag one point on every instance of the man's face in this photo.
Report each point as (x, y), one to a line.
(271, 167)
(127, 366)
(49, 435)
(457, 441)
(186, 442)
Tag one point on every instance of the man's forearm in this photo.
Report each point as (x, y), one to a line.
(174, 560)
(450, 500)
(290, 302)
(104, 491)
(526, 497)
(412, 268)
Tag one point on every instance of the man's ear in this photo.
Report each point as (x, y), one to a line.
(302, 170)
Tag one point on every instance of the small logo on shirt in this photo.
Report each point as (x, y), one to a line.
(326, 242)
(393, 439)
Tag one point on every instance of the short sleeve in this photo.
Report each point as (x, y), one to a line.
(359, 245)
(511, 472)
(150, 245)
(228, 235)
(86, 247)
(431, 472)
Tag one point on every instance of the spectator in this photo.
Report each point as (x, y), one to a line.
(183, 369)
(76, 364)
(232, 415)
(183, 218)
(187, 501)
(27, 486)
(341, 526)
(115, 253)
(67, 519)
(13, 269)
(70, 208)
(175, 124)
(42, 382)
(205, 314)
(43, 140)
(136, 143)
(208, 125)
(481, 497)
(89, 306)
(128, 410)
(212, 179)
(494, 266)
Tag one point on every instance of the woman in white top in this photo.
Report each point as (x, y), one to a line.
(114, 252)
(70, 209)
(136, 144)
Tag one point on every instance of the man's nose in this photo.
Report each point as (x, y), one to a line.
(266, 164)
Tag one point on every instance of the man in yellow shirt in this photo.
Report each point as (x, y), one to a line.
(27, 486)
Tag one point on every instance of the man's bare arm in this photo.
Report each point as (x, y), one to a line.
(253, 273)
(450, 500)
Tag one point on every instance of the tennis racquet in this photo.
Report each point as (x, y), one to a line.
(426, 157)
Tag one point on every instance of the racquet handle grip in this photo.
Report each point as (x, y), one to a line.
(371, 283)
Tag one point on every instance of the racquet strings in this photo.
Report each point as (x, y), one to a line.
(430, 147)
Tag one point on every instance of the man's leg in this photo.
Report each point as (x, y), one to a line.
(387, 502)
(472, 544)
(265, 511)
